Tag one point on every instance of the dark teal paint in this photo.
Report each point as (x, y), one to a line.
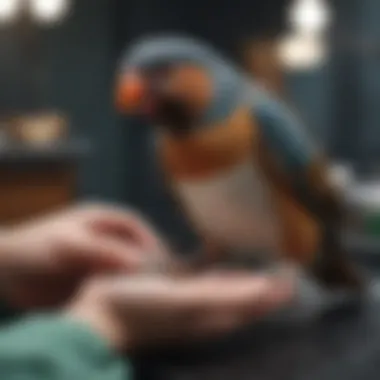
(82, 60)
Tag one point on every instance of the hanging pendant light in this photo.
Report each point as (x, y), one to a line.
(9, 10)
(309, 16)
(304, 48)
(302, 52)
(49, 11)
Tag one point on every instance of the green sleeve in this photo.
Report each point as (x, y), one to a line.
(54, 348)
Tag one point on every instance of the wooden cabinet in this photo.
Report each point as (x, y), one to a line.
(35, 182)
(26, 192)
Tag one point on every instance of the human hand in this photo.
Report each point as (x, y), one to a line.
(130, 312)
(44, 260)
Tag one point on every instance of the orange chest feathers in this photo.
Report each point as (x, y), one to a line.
(209, 150)
(222, 147)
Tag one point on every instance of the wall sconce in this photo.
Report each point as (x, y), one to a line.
(42, 11)
(304, 48)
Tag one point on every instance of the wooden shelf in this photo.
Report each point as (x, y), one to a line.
(37, 180)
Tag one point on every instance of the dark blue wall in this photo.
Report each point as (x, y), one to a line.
(312, 93)
(70, 68)
(82, 57)
(340, 102)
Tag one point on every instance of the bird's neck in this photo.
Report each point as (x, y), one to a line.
(209, 150)
(228, 96)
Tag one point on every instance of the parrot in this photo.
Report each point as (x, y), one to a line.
(238, 160)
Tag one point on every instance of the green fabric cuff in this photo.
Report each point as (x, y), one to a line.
(54, 347)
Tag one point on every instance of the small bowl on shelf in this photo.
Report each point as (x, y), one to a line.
(45, 128)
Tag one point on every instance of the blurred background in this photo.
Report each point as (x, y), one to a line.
(61, 139)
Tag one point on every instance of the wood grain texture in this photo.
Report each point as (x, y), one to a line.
(28, 191)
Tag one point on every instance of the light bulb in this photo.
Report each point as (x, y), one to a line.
(310, 16)
(9, 10)
(300, 52)
(49, 11)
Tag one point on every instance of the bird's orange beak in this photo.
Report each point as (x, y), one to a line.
(130, 93)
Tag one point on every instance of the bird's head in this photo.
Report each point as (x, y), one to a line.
(176, 83)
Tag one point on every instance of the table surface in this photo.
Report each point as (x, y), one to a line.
(342, 344)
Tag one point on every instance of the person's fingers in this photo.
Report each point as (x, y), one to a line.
(227, 287)
(99, 253)
(219, 303)
(157, 307)
(201, 294)
(128, 227)
(210, 302)
(221, 317)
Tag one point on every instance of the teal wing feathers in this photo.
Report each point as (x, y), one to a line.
(299, 162)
